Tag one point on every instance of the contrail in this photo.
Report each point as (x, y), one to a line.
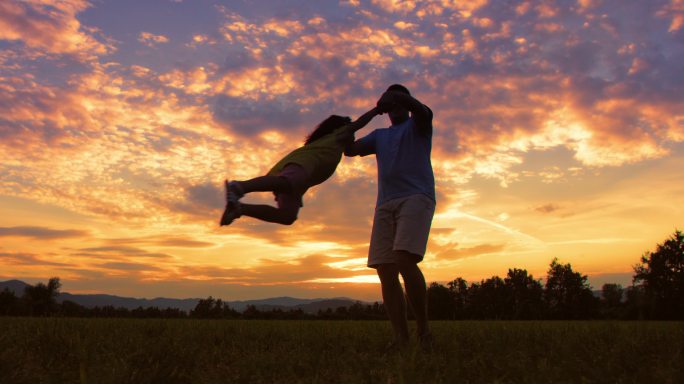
(459, 214)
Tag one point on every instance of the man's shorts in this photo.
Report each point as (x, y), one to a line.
(402, 224)
(297, 177)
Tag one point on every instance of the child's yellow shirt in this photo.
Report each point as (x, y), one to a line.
(319, 158)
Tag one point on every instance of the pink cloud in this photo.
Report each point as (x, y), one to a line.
(50, 27)
(151, 40)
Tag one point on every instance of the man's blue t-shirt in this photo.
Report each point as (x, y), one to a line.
(403, 155)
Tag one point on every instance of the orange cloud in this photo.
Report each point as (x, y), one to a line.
(151, 40)
(192, 82)
(674, 10)
(460, 253)
(50, 27)
(28, 259)
(402, 6)
(41, 232)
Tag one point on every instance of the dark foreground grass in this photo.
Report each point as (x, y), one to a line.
(55, 350)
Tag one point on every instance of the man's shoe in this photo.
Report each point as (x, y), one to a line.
(395, 347)
(427, 342)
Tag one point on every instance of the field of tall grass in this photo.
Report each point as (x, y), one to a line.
(64, 350)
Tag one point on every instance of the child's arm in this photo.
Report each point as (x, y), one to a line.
(364, 119)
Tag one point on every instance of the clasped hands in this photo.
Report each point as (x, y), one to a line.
(387, 102)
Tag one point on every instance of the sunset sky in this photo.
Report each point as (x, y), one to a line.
(558, 132)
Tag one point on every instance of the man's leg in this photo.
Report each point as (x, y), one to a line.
(393, 299)
(414, 218)
(416, 289)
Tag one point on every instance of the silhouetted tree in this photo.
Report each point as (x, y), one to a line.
(9, 303)
(568, 294)
(326, 314)
(459, 294)
(356, 311)
(203, 308)
(611, 294)
(146, 313)
(612, 305)
(635, 303)
(376, 311)
(661, 274)
(71, 309)
(490, 299)
(526, 294)
(251, 312)
(110, 311)
(359, 311)
(211, 308)
(229, 313)
(174, 313)
(440, 302)
(40, 298)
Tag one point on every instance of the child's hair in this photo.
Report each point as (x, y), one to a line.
(327, 126)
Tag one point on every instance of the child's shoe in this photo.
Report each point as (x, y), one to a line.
(233, 211)
(233, 195)
(233, 191)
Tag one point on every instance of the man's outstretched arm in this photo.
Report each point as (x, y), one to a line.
(353, 149)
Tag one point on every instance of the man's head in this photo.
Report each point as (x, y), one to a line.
(399, 88)
(398, 114)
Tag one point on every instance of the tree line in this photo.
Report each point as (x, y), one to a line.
(41, 300)
(657, 292)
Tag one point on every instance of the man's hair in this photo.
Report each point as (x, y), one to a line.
(399, 88)
(327, 126)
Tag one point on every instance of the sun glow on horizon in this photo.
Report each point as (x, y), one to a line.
(365, 279)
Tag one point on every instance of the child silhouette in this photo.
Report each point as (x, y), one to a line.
(294, 174)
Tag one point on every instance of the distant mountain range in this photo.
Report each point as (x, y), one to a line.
(284, 303)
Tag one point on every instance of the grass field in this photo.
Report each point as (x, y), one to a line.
(57, 350)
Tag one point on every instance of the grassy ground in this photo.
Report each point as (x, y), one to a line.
(54, 350)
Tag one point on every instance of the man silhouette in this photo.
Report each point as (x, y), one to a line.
(404, 207)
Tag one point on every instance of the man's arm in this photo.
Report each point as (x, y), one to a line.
(353, 149)
(420, 112)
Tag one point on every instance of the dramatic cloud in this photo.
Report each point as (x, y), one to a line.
(50, 27)
(119, 251)
(459, 253)
(41, 233)
(163, 241)
(555, 123)
(29, 259)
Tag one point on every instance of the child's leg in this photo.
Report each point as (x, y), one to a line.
(288, 196)
(282, 215)
(264, 184)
